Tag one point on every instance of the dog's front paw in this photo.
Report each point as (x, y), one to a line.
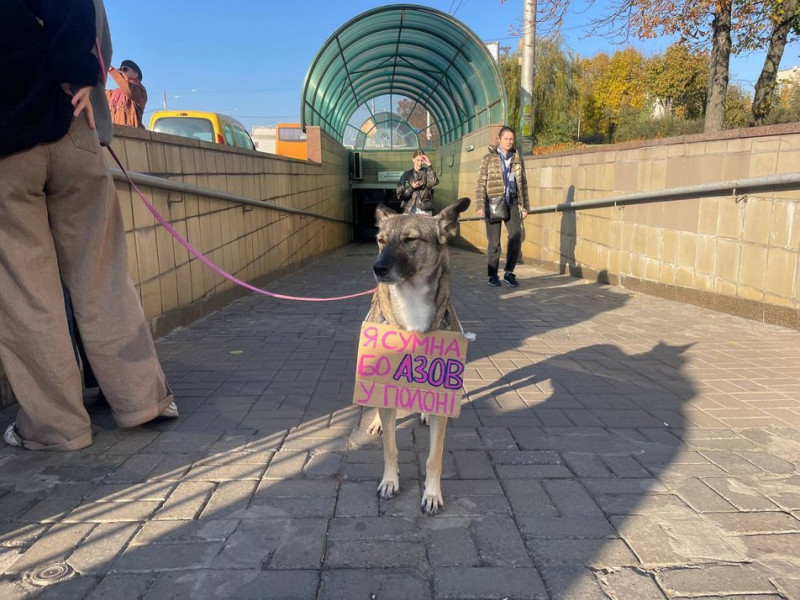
(388, 488)
(432, 502)
(375, 428)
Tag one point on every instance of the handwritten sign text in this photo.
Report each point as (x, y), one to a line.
(417, 372)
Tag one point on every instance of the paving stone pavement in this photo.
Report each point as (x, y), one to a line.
(611, 445)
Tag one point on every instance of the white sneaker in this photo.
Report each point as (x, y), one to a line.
(171, 412)
(11, 437)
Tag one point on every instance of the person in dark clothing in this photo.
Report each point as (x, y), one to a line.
(415, 187)
(61, 221)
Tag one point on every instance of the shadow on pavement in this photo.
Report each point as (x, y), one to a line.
(265, 487)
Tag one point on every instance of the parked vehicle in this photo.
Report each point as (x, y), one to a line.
(290, 140)
(203, 126)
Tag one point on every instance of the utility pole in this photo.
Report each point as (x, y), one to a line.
(165, 99)
(525, 131)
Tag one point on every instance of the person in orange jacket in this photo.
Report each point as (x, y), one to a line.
(128, 100)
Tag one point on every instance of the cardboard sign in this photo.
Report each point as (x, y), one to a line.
(417, 372)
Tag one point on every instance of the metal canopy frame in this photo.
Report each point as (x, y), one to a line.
(411, 51)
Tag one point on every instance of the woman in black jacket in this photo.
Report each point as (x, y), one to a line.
(415, 188)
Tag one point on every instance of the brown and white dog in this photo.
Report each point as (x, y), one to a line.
(412, 272)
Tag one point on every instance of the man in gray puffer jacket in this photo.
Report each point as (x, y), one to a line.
(501, 196)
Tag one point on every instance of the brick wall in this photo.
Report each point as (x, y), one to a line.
(737, 255)
(253, 243)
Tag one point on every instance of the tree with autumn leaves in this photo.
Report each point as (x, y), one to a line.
(719, 27)
(594, 99)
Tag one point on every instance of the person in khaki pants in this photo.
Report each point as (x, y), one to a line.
(60, 220)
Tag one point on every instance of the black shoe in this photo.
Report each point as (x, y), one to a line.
(495, 281)
(511, 279)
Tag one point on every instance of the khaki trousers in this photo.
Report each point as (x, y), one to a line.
(60, 220)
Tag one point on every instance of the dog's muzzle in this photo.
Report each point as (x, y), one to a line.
(385, 267)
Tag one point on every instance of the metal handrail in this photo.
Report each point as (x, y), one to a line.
(187, 188)
(736, 188)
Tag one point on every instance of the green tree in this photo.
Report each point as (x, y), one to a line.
(555, 95)
(622, 87)
(511, 72)
(738, 107)
(593, 124)
(677, 80)
(707, 24)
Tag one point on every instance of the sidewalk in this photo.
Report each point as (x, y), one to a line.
(614, 445)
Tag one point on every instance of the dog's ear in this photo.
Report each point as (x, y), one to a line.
(447, 219)
(382, 213)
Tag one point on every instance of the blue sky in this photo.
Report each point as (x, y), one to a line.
(248, 58)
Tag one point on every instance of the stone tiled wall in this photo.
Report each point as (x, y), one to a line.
(253, 243)
(737, 255)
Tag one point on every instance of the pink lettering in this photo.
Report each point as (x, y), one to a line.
(367, 392)
(370, 337)
(453, 347)
(369, 367)
(385, 340)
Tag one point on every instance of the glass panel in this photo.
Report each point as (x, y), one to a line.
(191, 127)
(292, 134)
(414, 52)
(243, 138)
(230, 137)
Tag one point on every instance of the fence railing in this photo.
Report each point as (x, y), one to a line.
(187, 188)
(737, 188)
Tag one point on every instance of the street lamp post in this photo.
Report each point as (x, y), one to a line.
(526, 79)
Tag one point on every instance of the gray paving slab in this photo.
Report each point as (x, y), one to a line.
(611, 445)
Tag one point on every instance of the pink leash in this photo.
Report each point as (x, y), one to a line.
(199, 255)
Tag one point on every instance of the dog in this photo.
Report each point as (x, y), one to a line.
(413, 293)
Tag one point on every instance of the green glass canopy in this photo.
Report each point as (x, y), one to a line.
(409, 51)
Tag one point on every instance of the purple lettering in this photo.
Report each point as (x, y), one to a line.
(436, 372)
(404, 370)
(420, 374)
(453, 380)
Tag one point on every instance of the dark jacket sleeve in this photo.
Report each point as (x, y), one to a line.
(69, 31)
(523, 186)
(431, 178)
